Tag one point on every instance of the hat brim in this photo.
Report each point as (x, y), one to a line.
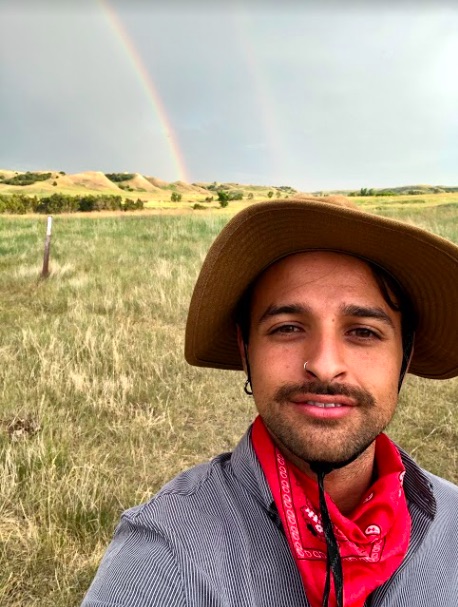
(423, 263)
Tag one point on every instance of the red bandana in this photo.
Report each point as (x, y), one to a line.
(372, 543)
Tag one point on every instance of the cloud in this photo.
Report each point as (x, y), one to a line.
(313, 95)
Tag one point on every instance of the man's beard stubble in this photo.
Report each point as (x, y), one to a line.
(348, 443)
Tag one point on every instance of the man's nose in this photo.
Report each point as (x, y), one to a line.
(325, 358)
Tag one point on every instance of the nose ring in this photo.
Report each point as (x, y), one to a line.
(305, 365)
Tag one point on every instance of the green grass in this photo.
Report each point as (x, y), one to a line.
(98, 407)
(414, 202)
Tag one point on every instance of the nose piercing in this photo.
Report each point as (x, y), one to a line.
(305, 365)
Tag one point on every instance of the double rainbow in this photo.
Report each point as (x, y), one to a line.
(170, 137)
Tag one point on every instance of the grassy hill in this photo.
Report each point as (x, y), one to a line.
(178, 195)
(154, 191)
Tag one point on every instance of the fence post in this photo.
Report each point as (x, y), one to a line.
(45, 270)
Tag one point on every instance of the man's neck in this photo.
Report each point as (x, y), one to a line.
(346, 486)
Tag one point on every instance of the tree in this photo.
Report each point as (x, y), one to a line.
(118, 177)
(223, 197)
(175, 197)
(270, 194)
(235, 195)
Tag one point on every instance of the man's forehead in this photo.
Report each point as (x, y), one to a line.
(317, 263)
(325, 276)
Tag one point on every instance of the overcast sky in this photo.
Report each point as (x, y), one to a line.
(311, 94)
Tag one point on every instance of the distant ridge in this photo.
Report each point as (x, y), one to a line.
(412, 190)
(153, 189)
(126, 184)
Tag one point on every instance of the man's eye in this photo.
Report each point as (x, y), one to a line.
(363, 333)
(286, 329)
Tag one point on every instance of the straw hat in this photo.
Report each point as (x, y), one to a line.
(424, 264)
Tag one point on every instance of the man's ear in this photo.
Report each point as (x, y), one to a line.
(241, 344)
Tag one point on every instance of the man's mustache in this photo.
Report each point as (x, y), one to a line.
(289, 391)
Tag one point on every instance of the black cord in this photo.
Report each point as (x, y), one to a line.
(333, 561)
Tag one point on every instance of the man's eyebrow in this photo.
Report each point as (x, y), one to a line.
(367, 312)
(276, 310)
(346, 309)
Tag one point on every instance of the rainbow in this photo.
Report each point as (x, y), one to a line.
(278, 157)
(149, 88)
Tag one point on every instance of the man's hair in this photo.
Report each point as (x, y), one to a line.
(392, 292)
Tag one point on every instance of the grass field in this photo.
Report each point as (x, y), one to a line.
(98, 407)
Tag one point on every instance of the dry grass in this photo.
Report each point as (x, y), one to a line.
(405, 202)
(141, 184)
(92, 180)
(99, 408)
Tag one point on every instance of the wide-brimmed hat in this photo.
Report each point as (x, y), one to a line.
(424, 264)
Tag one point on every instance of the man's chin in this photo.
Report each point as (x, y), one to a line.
(331, 459)
(330, 447)
(327, 465)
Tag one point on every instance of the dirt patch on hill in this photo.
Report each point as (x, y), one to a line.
(186, 188)
(158, 183)
(65, 181)
(193, 187)
(141, 183)
(92, 180)
(7, 174)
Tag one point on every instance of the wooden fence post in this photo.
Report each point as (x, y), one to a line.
(45, 270)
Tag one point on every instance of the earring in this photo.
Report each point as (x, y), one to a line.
(247, 388)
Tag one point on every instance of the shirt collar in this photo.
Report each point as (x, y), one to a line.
(417, 487)
(248, 471)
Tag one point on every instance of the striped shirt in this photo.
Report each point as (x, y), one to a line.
(212, 538)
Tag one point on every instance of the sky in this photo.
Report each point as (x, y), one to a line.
(312, 94)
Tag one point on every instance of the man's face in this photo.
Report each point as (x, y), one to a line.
(327, 309)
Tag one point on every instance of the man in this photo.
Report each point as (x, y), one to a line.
(325, 308)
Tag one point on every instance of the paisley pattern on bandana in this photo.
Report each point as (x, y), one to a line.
(372, 543)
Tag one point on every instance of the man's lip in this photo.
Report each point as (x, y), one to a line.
(338, 399)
